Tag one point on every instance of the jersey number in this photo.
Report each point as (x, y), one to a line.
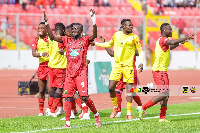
(82, 84)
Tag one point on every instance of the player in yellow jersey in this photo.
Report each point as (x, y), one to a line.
(160, 67)
(125, 43)
(57, 65)
(41, 45)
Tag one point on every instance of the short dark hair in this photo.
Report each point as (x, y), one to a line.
(124, 20)
(69, 27)
(163, 25)
(42, 23)
(59, 26)
(77, 24)
(120, 28)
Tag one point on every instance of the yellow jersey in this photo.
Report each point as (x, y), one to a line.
(162, 53)
(56, 60)
(124, 47)
(41, 45)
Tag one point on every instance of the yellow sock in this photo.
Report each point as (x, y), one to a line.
(129, 108)
(114, 101)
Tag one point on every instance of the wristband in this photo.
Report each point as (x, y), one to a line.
(179, 44)
(46, 23)
(93, 18)
(65, 53)
(95, 43)
(40, 54)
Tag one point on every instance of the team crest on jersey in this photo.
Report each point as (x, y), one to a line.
(65, 92)
(80, 43)
(74, 52)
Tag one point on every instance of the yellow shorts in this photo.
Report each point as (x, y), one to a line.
(126, 71)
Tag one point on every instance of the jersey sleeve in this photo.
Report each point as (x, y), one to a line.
(162, 43)
(107, 44)
(139, 49)
(87, 40)
(34, 43)
(62, 45)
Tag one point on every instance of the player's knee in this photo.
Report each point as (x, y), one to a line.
(57, 95)
(42, 91)
(85, 99)
(51, 93)
(59, 90)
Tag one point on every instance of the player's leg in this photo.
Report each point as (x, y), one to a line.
(51, 99)
(163, 110)
(136, 98)
(119, 100)
(129, 97)
(41, 96)
(69, 90)
(82, 87)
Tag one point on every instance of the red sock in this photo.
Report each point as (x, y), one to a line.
(60, 104)
(148, 105)
(50, 102)
(137, 100)
(85, 109)
(67, 107)
(163, 112)
(73, 104)
(119, 101)
(90, 104)
(55, 104)
(41, 105)
(78, 101)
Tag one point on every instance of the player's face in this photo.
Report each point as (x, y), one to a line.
(128, 26)
(168, 31)
(42, 30)
(68, 32)
(76, 30)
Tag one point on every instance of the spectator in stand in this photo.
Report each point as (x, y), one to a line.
(86, 26)
(168, 3)
(179, 3)
(198, 4)
(4, 28)
(23, 4)
(39, 3)
(96, 3)
(191, 3)
(144, 6)
(180, 24)
(106, 3)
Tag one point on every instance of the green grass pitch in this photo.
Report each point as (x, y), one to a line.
(178, 124)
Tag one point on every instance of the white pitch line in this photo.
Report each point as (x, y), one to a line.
(103, 123)
(194, 97)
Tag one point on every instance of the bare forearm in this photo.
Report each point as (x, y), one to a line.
(176, 41)
(94, 34)
(173, 46)
(50, 33)
(110, 52)
(35, 54)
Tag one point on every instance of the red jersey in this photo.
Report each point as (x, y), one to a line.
(76, 52)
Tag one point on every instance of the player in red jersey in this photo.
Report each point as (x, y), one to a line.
(159, 70)
(41, 45)
(76, 72)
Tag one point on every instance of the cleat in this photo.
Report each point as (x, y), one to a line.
(119, 114)
(60, 111)
(129, 117)
(163, 120)
(98, 121)
(141, 112)
(114, 113)
(48, 112)
(40, 114)
(53, 114)
(66, 126)
(63, 119)
(85, 116)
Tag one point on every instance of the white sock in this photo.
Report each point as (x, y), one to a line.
(120, 113)
(60, 108)
(68, 123)
(96, 114)
(128, 113)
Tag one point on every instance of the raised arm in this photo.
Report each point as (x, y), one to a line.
(177, 41)
(93, 17)
(50, 33)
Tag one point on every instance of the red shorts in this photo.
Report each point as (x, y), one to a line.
(121, 84)
(78, 83)
(57, 77)
(162, 81)
(43, 72)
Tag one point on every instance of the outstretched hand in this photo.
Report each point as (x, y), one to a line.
(92, 43)
(102, 40)
(92, 12)
(191, 36)
(140, 68)
(45, 17)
